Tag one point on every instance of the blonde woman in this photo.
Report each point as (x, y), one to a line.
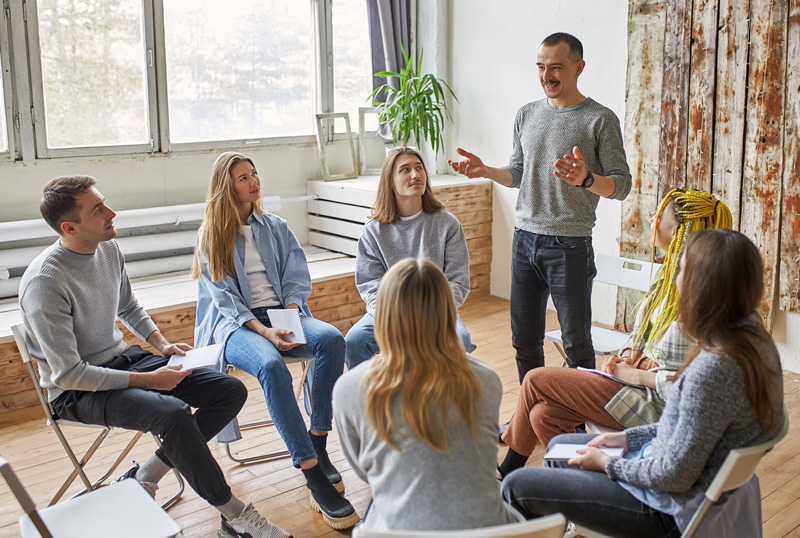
(418, 422)
(555, 400)
(249, 261)
(407, 221)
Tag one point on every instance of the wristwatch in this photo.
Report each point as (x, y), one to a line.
(588, 182)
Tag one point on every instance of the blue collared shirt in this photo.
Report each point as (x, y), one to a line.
(224, 306)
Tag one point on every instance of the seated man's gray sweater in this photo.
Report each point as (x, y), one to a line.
(70, 303)
(436, 236)
(419, 487)
(706, 416)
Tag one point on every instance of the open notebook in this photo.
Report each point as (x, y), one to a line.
(201, 357)
(288, 319)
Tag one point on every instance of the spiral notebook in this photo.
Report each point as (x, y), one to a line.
(288, 319)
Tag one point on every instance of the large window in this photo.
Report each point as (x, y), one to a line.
(136, 76)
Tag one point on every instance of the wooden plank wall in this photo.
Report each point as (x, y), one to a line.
(729, 106)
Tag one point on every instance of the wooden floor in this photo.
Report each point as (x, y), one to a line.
(278, 490)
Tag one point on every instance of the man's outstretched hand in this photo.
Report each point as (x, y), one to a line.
(472, 166)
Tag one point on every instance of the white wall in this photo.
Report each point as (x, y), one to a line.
(493, 72)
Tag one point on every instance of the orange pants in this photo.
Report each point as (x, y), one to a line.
(553, 401)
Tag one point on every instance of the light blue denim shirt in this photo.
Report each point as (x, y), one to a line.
(224, 306)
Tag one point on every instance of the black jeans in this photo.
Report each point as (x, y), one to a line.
(587, 498)
(545, 265)
(184, 435)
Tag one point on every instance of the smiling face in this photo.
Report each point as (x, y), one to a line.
(95, 221)
(409, 178)
(558, 73)
(246, 184)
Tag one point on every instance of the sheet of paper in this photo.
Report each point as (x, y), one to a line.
(567, 451)
(610, 376)
(201, 357)
(288, 319)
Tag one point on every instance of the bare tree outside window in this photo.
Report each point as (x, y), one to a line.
(352, 67)
(239, 69)
(93, 72)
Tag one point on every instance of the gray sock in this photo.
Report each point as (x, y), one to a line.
(231, 509)
(152, 470)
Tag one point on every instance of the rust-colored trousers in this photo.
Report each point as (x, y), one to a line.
(554, 400)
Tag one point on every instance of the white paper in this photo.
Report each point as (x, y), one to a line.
(288, 319)
(567, 451)
(610, 376)
(201, 357)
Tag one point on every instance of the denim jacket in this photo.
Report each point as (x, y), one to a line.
(224, 306)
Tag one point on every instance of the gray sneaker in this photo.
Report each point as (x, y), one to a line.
(149, 487)
(250, 524)
(571, 531)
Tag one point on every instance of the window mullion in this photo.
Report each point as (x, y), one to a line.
(23, 117)
(324, 54)
(151, 63)
(5, 65)
(162, 102)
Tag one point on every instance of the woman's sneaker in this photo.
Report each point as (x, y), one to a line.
(250, 524)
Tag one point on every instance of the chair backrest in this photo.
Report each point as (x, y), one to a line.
(625, 272)
(20, 337)
(544, 527)
(740, 465)
(23, 498)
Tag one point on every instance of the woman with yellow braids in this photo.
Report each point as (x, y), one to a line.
(556, 400)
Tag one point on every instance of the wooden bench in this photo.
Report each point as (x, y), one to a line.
(171, 299)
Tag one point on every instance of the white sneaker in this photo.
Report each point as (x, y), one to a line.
(571, 531)
(250, 524)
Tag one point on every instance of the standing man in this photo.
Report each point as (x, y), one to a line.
(70, 297)
(567, 154)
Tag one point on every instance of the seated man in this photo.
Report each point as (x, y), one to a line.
(70, 297)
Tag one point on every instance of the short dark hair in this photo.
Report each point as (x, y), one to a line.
(58, 199)
(575, 46)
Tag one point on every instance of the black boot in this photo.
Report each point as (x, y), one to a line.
(320, 442)
(337, 512)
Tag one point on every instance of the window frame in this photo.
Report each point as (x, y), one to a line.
(24, 95)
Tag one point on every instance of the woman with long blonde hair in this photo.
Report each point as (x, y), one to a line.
(727, 395)
(247, 262)
(555, 400)
(407, 221)
(418, 422)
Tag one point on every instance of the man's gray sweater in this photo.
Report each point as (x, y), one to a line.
(543, 134)
(70, 303)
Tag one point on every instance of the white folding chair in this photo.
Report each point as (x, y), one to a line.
(620, 272)
(78, 466)
(232, 432)
(122, 510)
(736, 471)
(544, 527)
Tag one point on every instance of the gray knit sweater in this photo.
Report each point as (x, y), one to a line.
(436, 236)
(706, 416)
(542, 134)
(70, 303)
(418, 487)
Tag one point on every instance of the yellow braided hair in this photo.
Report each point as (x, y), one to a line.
(695, 210)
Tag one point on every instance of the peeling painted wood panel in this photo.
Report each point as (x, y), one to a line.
(734, 28)
(763, 146)
(790, 224)
(646, 20)
(699, 152)
(675, 95)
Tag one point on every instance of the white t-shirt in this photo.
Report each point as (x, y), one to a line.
(262, 294)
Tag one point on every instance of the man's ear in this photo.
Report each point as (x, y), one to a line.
(68, 228)
(581, 65)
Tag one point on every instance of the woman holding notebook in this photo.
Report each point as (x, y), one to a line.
(247, 263)
(555, 400)
(727, 395)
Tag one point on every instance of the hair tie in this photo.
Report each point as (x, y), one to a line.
(715, 206)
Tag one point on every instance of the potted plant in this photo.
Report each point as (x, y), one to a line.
(416, 109)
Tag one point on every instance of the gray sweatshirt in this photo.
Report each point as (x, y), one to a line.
(70, 303)
(437, 236)
(706, 416)
(546, 204)
(418, 487)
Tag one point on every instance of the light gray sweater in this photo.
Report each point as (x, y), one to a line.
(437, 236)
(70, 303)
(420, 488)
(543, 134)
(706, 416)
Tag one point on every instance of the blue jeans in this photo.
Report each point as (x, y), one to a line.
(587, 498)
(254, 354)
(544, 265)
(361, 344)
